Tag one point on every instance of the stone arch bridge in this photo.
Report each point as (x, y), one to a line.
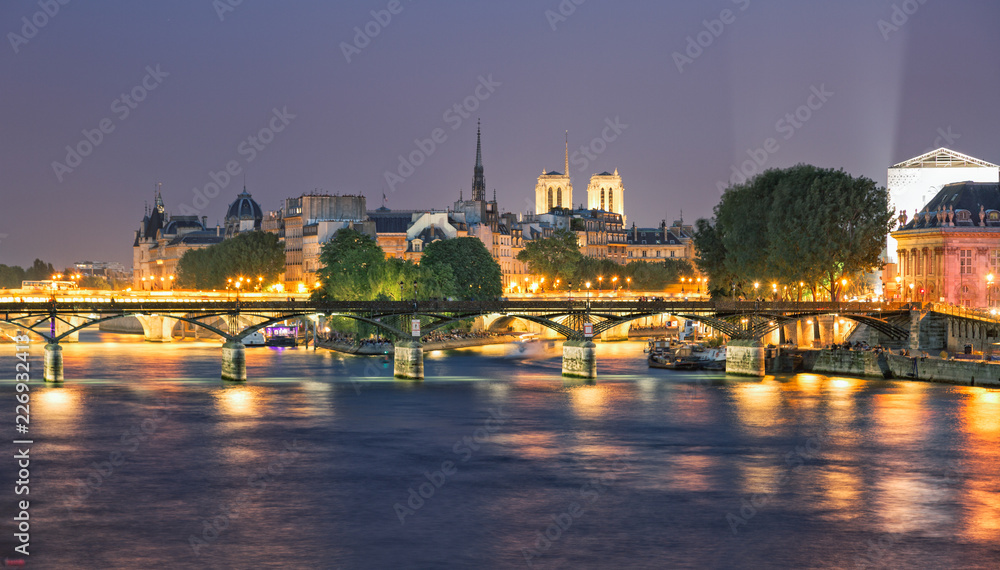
(578, 320)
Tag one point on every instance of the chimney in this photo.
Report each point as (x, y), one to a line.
(204, 221)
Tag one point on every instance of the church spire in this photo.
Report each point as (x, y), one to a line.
(478, 179)
(566, 171)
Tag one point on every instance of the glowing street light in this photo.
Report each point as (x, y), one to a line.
(989, 288)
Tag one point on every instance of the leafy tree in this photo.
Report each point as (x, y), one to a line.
(251, 255)
(39, 270)
(476, 275)
(555, 257)
(348, 263)
(797, 225)
(11, 276)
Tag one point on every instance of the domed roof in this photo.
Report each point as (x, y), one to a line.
(244, 208)
(178, 223)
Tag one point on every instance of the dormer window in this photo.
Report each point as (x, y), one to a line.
(963, 216)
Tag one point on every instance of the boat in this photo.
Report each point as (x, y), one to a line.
(256, 338)
(280, 335)
(687, 357)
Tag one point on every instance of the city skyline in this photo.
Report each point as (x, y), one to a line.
(335, 109)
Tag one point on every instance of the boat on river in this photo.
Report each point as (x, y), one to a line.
(686, 357)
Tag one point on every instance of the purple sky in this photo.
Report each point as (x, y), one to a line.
(894, 92)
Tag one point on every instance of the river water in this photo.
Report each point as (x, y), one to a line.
(144, 459)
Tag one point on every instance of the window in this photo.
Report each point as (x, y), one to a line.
(965, 261)
(550, 199)
(920, 262)
(611, 200)
(995, 262)
(602, 198)
(559, 197)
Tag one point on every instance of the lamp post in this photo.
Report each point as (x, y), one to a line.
(774, 291)
(614, 283)
(629, 281)
(911, 292)
(588, 291)
(600, 283)
(400, 290)
(898, 279)
(989, 287)
(756, 286)
(843, 285)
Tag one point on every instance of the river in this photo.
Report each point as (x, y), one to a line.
(144, 459)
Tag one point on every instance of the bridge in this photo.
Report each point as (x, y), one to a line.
(578, 320)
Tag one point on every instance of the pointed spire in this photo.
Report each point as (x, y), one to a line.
(566, 171)
(478, 179)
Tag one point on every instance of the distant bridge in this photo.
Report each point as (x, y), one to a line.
(56, 320)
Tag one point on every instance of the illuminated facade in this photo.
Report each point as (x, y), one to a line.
(914, 182)
(606, 192)
(554, 189)
(949, 251)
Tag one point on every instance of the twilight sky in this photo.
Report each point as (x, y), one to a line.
(213, 79)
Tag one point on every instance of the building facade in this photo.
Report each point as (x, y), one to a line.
(950, 250)
(160, 242)
(606, 192)
(912, 183)
(554, 189)
(660, 243)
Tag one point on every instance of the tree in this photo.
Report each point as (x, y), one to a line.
(349, 263)
(476, 275)
(797, 225)
(39, 270)
(555, 257)
(251, 255)
(11, 276)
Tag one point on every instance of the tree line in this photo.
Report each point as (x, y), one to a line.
(257, 256)
(560, 262)
(800, 232)
(354, 268)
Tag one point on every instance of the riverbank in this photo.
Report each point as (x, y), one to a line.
(387, 348)
(884, 365)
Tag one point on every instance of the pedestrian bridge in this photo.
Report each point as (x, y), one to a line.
(578, 320)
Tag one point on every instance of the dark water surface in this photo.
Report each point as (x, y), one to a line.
(312, 462)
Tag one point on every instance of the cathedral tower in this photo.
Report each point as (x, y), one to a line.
(554, 189)
(606, 192)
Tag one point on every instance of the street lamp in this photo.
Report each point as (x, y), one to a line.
(400, 290)
(898, 279)
(588, 290)
(600, 282)
(614, 283)
(756, 286)
(629, 280)
(911, 291)
(989, 287)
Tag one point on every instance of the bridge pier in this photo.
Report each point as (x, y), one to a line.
(234, 361)
(53, 363)
(579, 359)
(745, 358)
(157, 328)
(408, 356)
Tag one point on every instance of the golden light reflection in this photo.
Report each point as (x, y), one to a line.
(238, 400)
(55, 404)
(758, 403)
(588, 401)
(980, 420)
(690, 473)
(841, 495)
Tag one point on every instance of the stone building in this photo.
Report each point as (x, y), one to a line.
(913, 182)
(160, 242)
(663, 242)
(243, 215)
(950, 249)
(606, 192)
(554, 189)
